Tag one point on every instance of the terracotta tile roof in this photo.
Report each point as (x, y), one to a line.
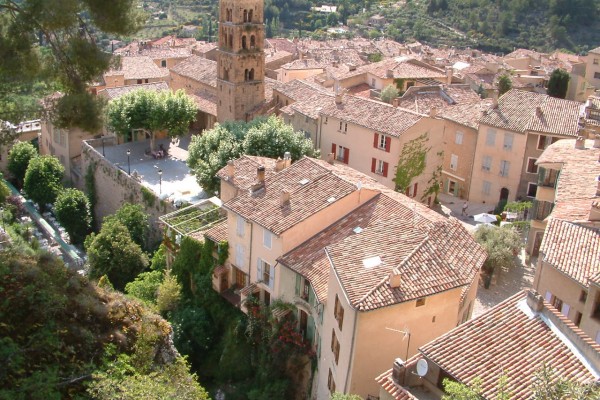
(203, 48)
(572, 249)
(362, 90)
(245, 171)
(310, 106)
(199, 69)
(206, 102)
(281, 44)
(380, 117)
(576, 187)
(508, 340)
(218, 232)
(596, 50)
(299, 89)
(518, 111)
(116, 92)
(307, 63)
(396, 391)
(164, 52)
(401, 67)
(141, 67)
(423, 99)
(467, 114)
(275, 56)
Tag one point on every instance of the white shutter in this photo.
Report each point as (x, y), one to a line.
(259, 267)
(548, 297)
(271, 276)
(239, 255)
(598, 337)
(565, 310)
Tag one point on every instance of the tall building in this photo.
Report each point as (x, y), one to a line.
(241, 59)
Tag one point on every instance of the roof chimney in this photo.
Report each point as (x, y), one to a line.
(395, 279)
(538, 111)
(339, 96)
(279, 165)
(330, 158)
(389, 73)
(399, 371)
(284, 198)
(433, 112)
(535, 301)
(287, 159)
(230, 169)
(597, 141)
(260, 174)
(580, 143)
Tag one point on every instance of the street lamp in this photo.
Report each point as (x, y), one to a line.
(160, 181)
(128, 164)
(406, 333)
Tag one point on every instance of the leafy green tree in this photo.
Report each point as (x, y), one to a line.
(18, 159)
(4, 190)
(44, 41)
(152, 112)
(389, 93)
(72, 209)
(458, 391)
(169, 294)
(43, 180)
(504, 84)
(558, 83)
(135, 219)
(341, 396)
(501, 245)
(411, 163)
(145, 286)
(113, 253)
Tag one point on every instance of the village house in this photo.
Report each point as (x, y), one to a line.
(359, 261)
(565, 231)
(133, 71)
(592, 69)
(516, 340)
(26, 131)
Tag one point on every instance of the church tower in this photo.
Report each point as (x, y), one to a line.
(241, 59)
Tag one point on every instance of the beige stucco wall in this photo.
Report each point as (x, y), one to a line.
(189, 85)
(589, 324)
(287, 75)
(592, 68)
(465, 153)
(5, 148)
(303, 123)
(497, 153)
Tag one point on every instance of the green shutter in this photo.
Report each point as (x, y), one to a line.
(310, 329)
(298, 283)
(311, 296)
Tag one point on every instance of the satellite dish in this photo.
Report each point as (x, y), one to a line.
(359, 185)
(422, 367)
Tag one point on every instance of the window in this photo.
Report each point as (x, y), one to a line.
(595, 61)
(240, 278)
(341, 153)
(458, 139)
(420, 302)
(139, 81)
(531, 189)
(239, 255)
(453, 162)
(490, 139)
(265, 273)
(340, 128)
(504, 167)
(486, 188)
(545, 141)
(330, 383)
(577, 319)
(382, 142)
(241, 225)
(373, 82)
(335, 346)
(163, 63)
(596, 75)
(345, 127)
(531, 167)
(508, 140)
(583, 296)
(267, 238)
(338, 312)
(379, 167)
(487, 163)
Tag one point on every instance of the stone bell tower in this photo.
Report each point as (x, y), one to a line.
(241, 59)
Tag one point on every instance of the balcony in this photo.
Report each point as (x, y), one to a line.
(541, 209)
(547, 177)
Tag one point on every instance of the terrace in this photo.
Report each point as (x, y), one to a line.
(192, 220)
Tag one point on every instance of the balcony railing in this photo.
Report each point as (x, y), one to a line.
(547, 177)
(541, 209)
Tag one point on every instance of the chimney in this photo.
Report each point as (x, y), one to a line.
(287, 159)
(339, 96)
(399, 371)
(230, 169)
(535, 301)
(580, 143)
(260, 174)
(597, 141)
(395, 279)
(330, 158)
(396, 102)
(389, 73)
(433, 112)
(279, 165)
(449, 74)
(538, 111)
(284, 198)
(595, 211)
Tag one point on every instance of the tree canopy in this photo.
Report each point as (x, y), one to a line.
(504, 84)
(72, 209)
(152, 112)
(501, 245)
(389, 93)
(56, 41)
(43, 180)
(558, 83)
(135, 219)
(267, 137)
(113, 253)
(18, 159)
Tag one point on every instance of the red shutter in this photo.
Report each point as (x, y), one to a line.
(333, 149)
(373, 162)
(375, 140)
(415, 190)
(346, 155)
(385, 169)
(407, 191)
(388, 143)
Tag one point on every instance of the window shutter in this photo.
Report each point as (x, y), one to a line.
(346, 155)
(271, 276)
(375, 140)
(385, 169)
(415, 190)
(388, 143)
(332, 340)
(373, 162)
(565, 310)
(259, 271)
(333, 149)
(341, 318)
(298, 282)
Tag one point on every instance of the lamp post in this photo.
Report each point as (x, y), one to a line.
(160, 181)
(406, 333)
(128, 164)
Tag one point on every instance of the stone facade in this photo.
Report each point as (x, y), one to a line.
(241, 59)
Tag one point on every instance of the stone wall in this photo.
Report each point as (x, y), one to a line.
(114, 188)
